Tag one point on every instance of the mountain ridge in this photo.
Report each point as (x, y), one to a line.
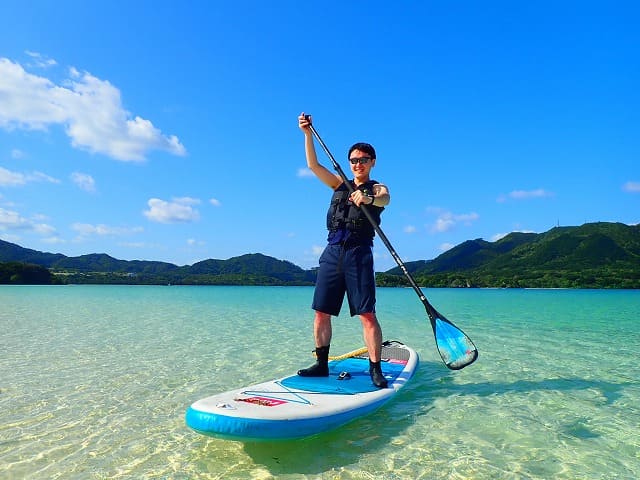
(593, 255)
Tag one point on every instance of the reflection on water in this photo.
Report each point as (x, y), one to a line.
(95, 380)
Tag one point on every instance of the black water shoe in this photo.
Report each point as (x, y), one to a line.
(321, 367)
(376, 375)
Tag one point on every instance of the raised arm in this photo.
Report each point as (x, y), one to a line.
(332, 180)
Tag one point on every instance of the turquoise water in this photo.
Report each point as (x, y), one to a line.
(95, 380)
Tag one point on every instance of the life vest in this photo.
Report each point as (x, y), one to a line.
(345, 215)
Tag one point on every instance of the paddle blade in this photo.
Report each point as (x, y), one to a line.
(456, 349)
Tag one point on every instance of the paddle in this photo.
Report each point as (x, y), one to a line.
(455, 347)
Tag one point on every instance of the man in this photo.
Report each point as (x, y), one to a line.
(346, 265)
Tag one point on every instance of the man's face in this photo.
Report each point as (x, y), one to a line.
(361, 162)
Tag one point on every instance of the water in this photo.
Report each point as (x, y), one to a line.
(95, 380)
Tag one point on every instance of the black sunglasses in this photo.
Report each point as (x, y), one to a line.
(363, 160)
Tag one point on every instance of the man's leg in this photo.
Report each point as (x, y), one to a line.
(322, 329)
(322, 334)
(372, 334)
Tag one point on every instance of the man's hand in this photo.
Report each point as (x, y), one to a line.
(304, 122)
(360, 198)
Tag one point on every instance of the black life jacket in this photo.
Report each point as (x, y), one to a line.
(343, 214)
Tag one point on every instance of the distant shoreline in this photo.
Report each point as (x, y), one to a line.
(592, 256)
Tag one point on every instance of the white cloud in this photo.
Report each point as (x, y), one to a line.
(179, 210)
(17, 154)
(443, 224)
(448, 220)
(380, 257)
(6, 202)
(53, 240)
(192, 242)
(89, 108)
(497, 237)
(525, 195)
(43, 229)
(41, 177)
(133, 244)
(215, 202)
(38, 217)
(631, 187)
(12, 179)
(7, 237)
(84, 181)
(304, 172)
(101, 230)
(187, 200)
(9, 178)
(10, 221)
(445, 246)
(409, 229)
(40, 60)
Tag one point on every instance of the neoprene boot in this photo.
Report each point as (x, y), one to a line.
(321, 367)
(376, 375)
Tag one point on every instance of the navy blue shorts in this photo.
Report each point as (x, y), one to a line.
(347, 271)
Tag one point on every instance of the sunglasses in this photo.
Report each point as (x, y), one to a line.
(362, 160)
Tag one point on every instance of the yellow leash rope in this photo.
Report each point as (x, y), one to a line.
(354, 353)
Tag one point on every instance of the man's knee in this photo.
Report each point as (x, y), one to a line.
(322, 317)
(369, 319)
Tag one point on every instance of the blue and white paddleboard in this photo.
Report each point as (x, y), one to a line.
(296, 407)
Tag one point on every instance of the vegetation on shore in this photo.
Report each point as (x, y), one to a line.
(19, 273)
(594, 255)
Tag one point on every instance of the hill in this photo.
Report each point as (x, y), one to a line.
(19, 273)
(593, 255)
(250, 269)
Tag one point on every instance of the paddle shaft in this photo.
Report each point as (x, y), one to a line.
(430, 310)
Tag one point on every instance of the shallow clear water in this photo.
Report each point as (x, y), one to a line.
(95, 380)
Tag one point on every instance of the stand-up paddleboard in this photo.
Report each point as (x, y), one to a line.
(296, 407)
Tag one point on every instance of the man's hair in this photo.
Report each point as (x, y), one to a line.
(363, 147)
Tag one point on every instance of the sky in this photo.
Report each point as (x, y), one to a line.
(167, 131)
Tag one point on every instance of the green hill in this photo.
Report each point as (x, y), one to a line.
(10, 252)
(250, 269)
(19, 273)
(593, 255)
(254, 264)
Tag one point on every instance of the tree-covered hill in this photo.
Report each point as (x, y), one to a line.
(593, 255)
(254, 264)
(19, 273)
(250, 269)
(10, 252)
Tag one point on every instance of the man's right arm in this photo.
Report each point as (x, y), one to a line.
(330, 179)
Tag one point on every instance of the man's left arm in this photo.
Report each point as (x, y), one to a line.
(381, 197)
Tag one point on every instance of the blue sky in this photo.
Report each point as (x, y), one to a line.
(168, 130)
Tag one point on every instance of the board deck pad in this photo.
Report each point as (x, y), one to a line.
(295, 406)
(359, 379)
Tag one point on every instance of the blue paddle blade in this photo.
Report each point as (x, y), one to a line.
(456, 349)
